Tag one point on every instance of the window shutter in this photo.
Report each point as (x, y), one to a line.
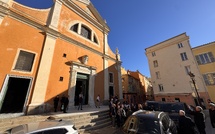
(198, 60)
(211, 56)
(206, 79)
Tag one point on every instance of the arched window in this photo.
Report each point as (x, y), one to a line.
(86, 32)
(74, 28)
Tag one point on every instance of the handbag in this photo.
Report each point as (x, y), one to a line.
(62, 107)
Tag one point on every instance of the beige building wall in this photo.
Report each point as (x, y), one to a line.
(169, 76)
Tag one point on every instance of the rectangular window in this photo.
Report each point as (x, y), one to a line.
(177, 99)
(180, 45)
(111, 77)
(160, 87)
(25, 61)
(209, 78)
(61, 79)
(184, 56)
(155, 63)
(164, 99)
(157, 75)
(153, 54)
(205, 58)
(187, 69)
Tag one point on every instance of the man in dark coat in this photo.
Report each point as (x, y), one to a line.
(56, 100)
(199, 119)
(80, 100)
(113, 114)
(212, 114)
(186, 124)
(66, 102)
(62, 102)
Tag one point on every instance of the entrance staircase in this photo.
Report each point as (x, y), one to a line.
(84, 122)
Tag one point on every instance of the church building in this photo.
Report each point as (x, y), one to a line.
(61, 50)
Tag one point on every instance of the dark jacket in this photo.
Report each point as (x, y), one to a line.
(199, 119)
(212, 117)
(113, 111)
(56, 100)
(186, 125)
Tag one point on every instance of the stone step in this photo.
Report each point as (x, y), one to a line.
(82, 125)
(83, 121)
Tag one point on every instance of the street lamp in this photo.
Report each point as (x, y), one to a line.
(192, 76)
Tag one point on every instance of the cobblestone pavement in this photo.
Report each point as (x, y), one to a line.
(107, 130)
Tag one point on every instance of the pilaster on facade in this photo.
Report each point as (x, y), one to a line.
(55, 15)
(5, 2)
(3, 10)
(106, 80)
(43, 75)
(105, 44)
(119, 63)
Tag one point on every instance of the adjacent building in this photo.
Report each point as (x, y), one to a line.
(62, 50)
(136, 87)
(170, 63)
(204, 55)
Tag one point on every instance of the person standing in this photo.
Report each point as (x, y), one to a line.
(62, 102)
(66, 102)
(118, 115)
(80, 101)
(98, 101)
(209, 102)
(212, 114)
(199, 119)
(113, 114)
(185, 124)
(56, 100)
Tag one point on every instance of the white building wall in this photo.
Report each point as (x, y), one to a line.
(173, 75)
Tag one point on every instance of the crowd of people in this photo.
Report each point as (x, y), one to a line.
(64, 101)
(119, 112)
(197, 124)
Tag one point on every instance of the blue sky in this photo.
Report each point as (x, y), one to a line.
(138, 24)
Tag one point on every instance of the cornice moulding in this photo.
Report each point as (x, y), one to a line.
(4, 4)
